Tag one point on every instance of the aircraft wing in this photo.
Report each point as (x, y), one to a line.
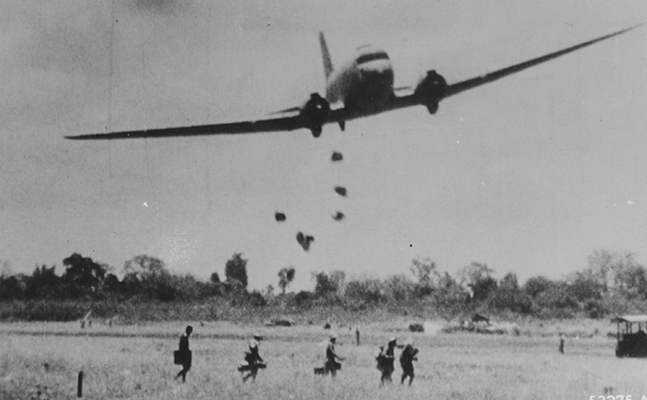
(287, 123)
(493, 76)
(459, 87)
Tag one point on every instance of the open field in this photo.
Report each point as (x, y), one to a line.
(39, 360)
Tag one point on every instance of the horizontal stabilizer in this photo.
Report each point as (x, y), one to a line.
(287, 111)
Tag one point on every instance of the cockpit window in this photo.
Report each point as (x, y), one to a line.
(380, 55)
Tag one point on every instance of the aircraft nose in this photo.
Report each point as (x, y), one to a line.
(377, 74)
(375, 67)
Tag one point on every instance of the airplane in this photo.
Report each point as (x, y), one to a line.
(361, 87)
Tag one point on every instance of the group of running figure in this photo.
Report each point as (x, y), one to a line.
(254, 362)
(385, 360)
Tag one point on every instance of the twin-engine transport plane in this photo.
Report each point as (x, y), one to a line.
(360, 88)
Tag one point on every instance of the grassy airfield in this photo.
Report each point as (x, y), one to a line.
(42, 360)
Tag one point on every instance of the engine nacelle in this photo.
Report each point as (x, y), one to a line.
(431, 90)
(315, 113)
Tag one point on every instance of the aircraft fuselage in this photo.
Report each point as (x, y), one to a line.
(364, 83)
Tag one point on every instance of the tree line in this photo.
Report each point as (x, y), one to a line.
(612, 283)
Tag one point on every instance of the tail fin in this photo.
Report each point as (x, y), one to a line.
(325, 55)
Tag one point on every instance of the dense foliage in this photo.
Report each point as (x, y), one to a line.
(612, 283)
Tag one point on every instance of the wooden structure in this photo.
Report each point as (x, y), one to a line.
(631, 336)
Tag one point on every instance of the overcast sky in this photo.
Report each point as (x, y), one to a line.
(529, 174)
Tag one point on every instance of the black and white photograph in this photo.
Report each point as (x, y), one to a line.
(323, 200)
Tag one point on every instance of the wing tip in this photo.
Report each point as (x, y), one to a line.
(92, 136)
(79, 137)
(636, 26)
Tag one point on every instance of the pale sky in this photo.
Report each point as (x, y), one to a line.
(529, 174)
